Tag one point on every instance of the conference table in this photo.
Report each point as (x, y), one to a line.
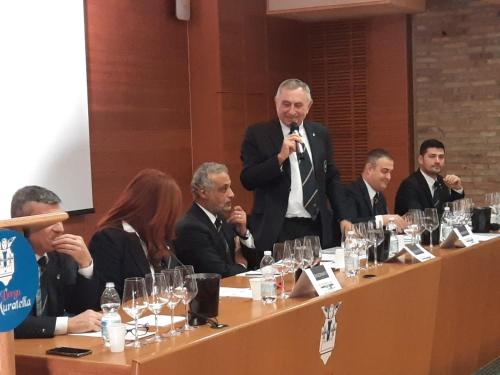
(437, 317)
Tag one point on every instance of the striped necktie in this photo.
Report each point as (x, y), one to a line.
(41, 295)
(309, 186)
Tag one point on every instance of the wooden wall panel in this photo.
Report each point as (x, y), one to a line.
(388, 112)
(338, 71)
(171, 94)
(138, 97)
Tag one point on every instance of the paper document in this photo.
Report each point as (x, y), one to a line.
(235, 292)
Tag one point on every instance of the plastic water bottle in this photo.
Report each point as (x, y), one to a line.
(393, 237)
(268, 286)
(351, 255)
(110, 303)
(446, 224)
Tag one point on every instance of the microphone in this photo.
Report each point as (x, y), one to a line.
(299, 147)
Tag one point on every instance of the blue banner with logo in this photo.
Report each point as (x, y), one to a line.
(18, 279)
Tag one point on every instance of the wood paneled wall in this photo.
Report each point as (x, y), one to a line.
(171, 94)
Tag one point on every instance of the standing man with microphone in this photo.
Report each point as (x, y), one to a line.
(288, 165)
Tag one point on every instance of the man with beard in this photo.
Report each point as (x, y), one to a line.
(426, 188)
(212, 233)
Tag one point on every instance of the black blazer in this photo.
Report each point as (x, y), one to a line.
(118, 255)
(271, 184)
(198, 243)
(414, 192)
(68, 293)
(360, 206)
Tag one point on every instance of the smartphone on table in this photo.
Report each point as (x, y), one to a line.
(69, 352)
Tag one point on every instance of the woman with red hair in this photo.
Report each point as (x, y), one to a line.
(133, 238)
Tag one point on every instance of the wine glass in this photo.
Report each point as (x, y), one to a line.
(279, 264)
(135, 301)
(431, 222)
(418, 223)
(156, 288)
(189, 293)
(290, 262)
(298, 253)
(308, 253)
(361, 232)
(316, 247)
(176, 292)
(376, 236)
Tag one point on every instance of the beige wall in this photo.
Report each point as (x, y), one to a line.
(456, 56)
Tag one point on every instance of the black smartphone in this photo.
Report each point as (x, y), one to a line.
(69, 352)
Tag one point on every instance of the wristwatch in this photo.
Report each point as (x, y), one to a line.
(245, 236)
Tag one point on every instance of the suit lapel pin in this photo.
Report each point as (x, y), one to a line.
(324, 165)
(314, 134)
(58, 277)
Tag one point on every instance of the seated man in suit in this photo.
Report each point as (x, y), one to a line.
(65, 268)
(426, 188)
(365, 195)
(210, 235)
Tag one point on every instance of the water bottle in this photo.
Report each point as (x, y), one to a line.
(268, 286)
(446, 224)
(110, 303)
(393, 237)
(351, 255)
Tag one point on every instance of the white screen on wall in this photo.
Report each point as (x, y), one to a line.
(43, 101)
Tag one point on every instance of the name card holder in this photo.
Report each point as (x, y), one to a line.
(318, 280)
(460, 236)
(418, 252)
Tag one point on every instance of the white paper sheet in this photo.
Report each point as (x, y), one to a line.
(235, 292)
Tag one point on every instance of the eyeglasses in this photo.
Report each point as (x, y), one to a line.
(212, 322)
(142, 330)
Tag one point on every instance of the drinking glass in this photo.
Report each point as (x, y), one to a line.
(360, 231)
(156, 288)
(316, 247)
(298, 253)
(135, 301)
(308, 254)
(431, 222)
(290, 261)
(279, 265)
(376, 236)
(190, 292)
(418, 222)
(175, 290)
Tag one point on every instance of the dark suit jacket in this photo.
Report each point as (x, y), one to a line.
(360, 206)
(68, 293)
(414, 192)
(271, 184)
(198, 243)
(118, 255)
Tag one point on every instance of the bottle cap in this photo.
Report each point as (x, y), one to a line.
(267, 252)
(110, 284)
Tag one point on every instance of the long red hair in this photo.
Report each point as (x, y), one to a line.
(151, 203)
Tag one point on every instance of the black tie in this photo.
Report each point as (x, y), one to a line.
(218, 226)
(42, 294)
(377, 209)
(435, 196)
(309, 187)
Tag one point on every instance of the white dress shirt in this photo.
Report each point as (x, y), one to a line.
(295, 199)
(61, 327)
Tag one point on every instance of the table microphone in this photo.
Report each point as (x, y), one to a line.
(299, 147)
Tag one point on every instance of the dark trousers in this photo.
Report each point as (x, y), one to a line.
(297, 227)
